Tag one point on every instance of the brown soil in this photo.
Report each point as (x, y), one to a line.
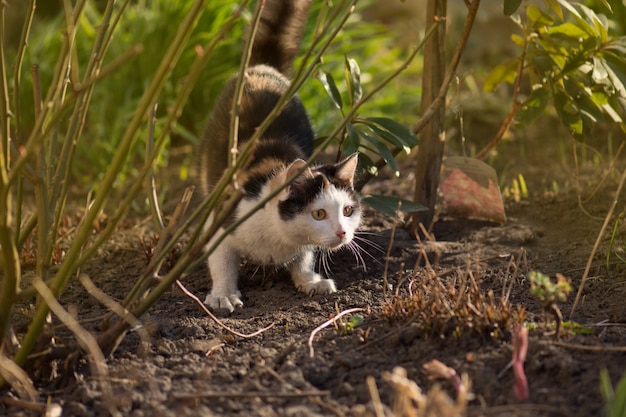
(193, 367)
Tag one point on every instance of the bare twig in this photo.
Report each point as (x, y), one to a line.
(577, 346)
(326, 324)
(506, 123)
(608, 217)
(251, 394)
(17, 378)
(117, 308)
(388, 254)
(379, 408)
(215, 319)
(606, 175)
(85, 339)
(233, 139)
(427, 116)
(151, 192)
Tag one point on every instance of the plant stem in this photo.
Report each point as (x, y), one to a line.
(9, 258)
(597, 243)
(233, 139)
(83, 233)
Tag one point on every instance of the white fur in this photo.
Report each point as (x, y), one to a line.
(267, 239)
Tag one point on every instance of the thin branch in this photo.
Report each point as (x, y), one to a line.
(151, 191)
(326, 324)
(116, 307)
(608, 217)
(472, 9)
(241, 79)
(589, 348)
(252, 394)
(508, 120)
(215, 319)
(85, 339)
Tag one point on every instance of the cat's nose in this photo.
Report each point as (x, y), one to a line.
(340, 233)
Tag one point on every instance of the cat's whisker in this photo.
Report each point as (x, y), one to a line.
(356, 251)
(370, 243)
(326, 262)
(362, 250)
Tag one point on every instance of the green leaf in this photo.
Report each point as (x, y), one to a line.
(389, 205)
(518, 40)
(353, 80)
(331, 88)
(397, 129)
(384, 152)
(568, 30)
(352, 142)
(505, 72)
(554, 5)
(584, 25)
(568, 113)
(534, 106)
(606, 388)
(600, 26)
(620, 398)
(599, 72)
(537, 17)
(511, 6)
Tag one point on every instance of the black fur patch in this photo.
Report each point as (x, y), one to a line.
(255, 183)
(300, 196)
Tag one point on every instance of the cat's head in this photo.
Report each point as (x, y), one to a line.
(320, 207)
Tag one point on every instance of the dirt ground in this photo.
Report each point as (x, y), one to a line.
(195, 368)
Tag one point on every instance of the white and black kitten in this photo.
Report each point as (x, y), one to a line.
(318, 211)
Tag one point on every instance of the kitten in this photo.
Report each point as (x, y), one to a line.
(318, 211)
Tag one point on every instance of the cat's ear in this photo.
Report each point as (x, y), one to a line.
(296, 166)
(347, 168)
(289, 172)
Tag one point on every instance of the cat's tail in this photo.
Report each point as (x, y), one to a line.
(278, 36)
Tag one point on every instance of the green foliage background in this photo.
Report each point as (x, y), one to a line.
(152, 24)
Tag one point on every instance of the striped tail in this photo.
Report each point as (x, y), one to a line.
(280, 31)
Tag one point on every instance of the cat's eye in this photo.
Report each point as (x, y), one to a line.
(348, 210)
(319, 214)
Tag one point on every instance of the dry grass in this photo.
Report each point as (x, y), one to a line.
(444, 306)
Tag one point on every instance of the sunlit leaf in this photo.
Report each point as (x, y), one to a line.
(384, 152)
(396, 129)
(617, 75)
(505, 72)
(533, 107)
(556, 8)
(353, 80)
(331, 88)
(600, 25)
(583, 24)
(599, 72)
(537, 17)
(518, 40)
(390, 205)
(568, 30)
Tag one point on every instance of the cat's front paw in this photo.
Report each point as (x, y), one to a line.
(224, 303)
(320, 286)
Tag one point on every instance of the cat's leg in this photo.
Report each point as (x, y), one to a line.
(306, 279)
(224, 268)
